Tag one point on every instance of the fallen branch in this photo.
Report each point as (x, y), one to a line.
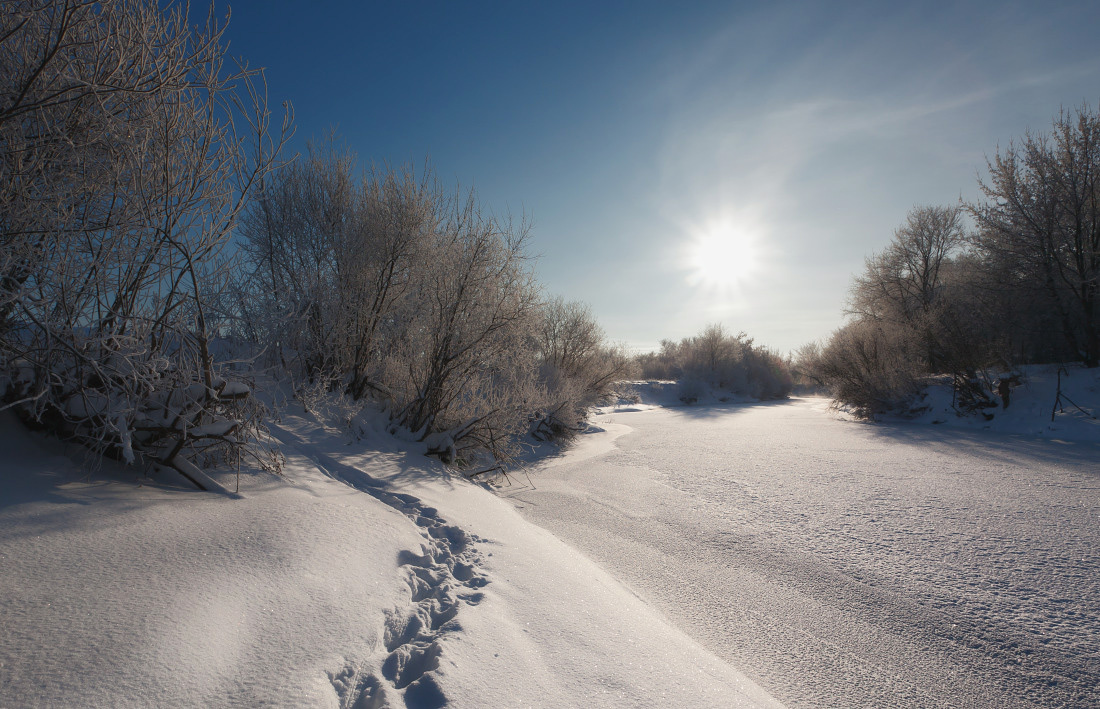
(197, 477)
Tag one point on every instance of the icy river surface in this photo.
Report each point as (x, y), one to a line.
(842, 564)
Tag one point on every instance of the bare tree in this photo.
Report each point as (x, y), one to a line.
(333, 257)
(476, 309)
(387, 288)
(569, 337)
(1040, 224)
(578, 367)
(872, 366)
(712, 354)
(719, 359)
(904, 284)
(127, 149)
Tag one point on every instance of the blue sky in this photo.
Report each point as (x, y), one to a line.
(653, 143)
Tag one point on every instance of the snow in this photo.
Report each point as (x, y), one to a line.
(235, 389)
(1030, 405)
(553, 629)
(216, 429)
(366, 576)
(725, 554)
(845, 563)
(114, 594)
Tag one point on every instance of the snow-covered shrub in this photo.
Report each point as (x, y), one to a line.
(468, 364)
(973, 392)
(577, 368)
(387, 287)
(659, 365)
(121, 175)
(874, 368)
(717, 359)
(335, 261)
(804, 370)
(764, 373)
(690, 390)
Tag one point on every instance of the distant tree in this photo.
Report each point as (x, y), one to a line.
(712, 354)
(662, 364)
(1039, 226)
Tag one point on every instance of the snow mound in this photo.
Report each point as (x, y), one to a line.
(115, 594)
(1052, 401)
(366, 576)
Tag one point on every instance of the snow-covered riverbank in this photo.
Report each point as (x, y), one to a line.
(841, 563)
(365, 577)
(718, 543)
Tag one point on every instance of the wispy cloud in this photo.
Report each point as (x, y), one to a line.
(824, 141)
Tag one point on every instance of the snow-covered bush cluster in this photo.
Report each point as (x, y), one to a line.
(869, 367)
(577, 368)
(715, 358)
(1021, 287)
(127, 148)
(149, 230)
(386, 287)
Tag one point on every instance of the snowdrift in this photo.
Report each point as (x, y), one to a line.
(1045, 403)
(366, 576)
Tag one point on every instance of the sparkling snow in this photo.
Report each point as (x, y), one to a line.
(841, 563)
(732, 554)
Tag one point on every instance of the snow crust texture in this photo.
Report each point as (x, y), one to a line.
(115, 595)
(849, 564)
(367, 577)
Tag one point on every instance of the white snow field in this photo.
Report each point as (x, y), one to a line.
(366, 577)
(848, 564)
(727, 555)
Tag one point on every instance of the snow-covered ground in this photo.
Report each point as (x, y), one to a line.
(1050, 401)
(843, 563)
(365, 577)
(676, 556)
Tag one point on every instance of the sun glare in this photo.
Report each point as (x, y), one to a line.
(721, 256)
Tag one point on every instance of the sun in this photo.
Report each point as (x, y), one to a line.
(721, 256)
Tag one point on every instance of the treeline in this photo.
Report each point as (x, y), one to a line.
(132, 149)
(385, 286)
(1019, 284)
(719, 360)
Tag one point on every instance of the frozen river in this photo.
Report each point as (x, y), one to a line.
(846, 564)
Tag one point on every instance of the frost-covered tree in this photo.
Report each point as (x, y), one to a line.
(1039, 226)
(577, 366)
(332, 255)
(384, 286)
(475, 307)
(872, 366)
(915, 311)
(719, 359)
(905, 283)
(128, 146)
